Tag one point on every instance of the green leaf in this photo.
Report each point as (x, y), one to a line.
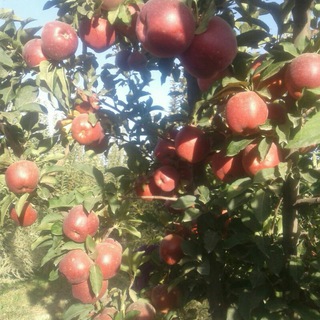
(184, 202)
(5, 59)
(261, 205)
(90, 244)
(251, 38)
(20, 203)
(132, 230)
(76, 310)
(96, 279)
(236, 145)
(211, 239)
(32, 107)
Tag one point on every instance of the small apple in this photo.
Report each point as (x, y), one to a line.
(32, 53)
(84, 132)
(166, 178)
(164, 299)
(82, 291)
(165, 28)
(170, 249)
(146, 188)
(110, 5)
(106, 314)
(303, 72)
(211, 51)
(75, 266)
(192, 144)
(252, 163)
(108, 257)
(59, 40)
(97, 33)
(22, 176)
(137, 61)
(146, 310)
(245, 112)
(165, 151)
(28, 215)
(78, 224)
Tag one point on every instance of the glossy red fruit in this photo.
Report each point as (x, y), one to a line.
(22, 176)
(32, 53)
(59, 40)
(78, 224)
(165, 28)
(84, 132)
(165, 151)
(97, 33)
(146, 188)
(109, 257)
(82, 291)
(28, 215)
(75, 266)
(245, 112)
(137, 61)
(166, 178)
(252, 163)
(171, 249)
(165, 299)
(192, 144)
(211, 51)
(303, 72)
(146, 310)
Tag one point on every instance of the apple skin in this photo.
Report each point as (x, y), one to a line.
(205, 84)
(109, 257)
(245, 112)
(32, 53)
(27, 217)
(166, 178)
(137, 61)
(22, 176)
(82, 291)
(84, 132)
(211, 51)
(146, 309)
(165, 28)
(106, 314)
(77, 224)
(59, 40)
(109, 5)
(97, 33)
(75, 266)
(227, 169)
(146, 188)
(165, 151)
(192, 144)
(251, 162)
(170, 249)
(164, 300)
(303, 72)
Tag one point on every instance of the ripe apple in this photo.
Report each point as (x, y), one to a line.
(110, 5)
(108, 257)
(227, 168)
(28, 215)
(146, 188)
(170, 249)
(146, 310)
(86, 104)
(82, 291)
(84, 132)
(252, 163)
(303, 72)
(99, 146)
(165, 28)
(211, 51)
(78, 224)
(192, 144)
(106, 314)
(165, 151)
(164, 299)
(166, 178)
(22, 176)
(97, 33)
(75, 266)
(59, 40)
(32, 53)
(245, 112)
(137, 61)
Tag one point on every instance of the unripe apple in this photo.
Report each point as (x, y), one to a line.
(28, 215)
(166, 178)
(146, 310)
(165, 28)
(171, 249)
(82, 291)
(32, 53)
(245, 112)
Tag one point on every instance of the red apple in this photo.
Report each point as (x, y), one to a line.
(146, 188)
(106, 314)
(165, 299)
(85, 103)
(170, 249)
(32, 53)
(137, 61)
(22, 176)
(146, 310)
(121, 60)
(99, 146)
(227, 168)
(28, 215)
(245, 112)
(78, 224)
(165, 151)
(82, 291)
(166, 178)
(303, 72)
(108, 258)
(59, 40)
(252, 163)
(109, 5)
(192, 144)
(84, 132)
(97, 33)
(165, 28)
(75, 266)
(211, 51)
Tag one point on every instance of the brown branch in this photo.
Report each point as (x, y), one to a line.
(315, 200)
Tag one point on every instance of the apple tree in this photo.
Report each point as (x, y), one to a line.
(213, 199)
